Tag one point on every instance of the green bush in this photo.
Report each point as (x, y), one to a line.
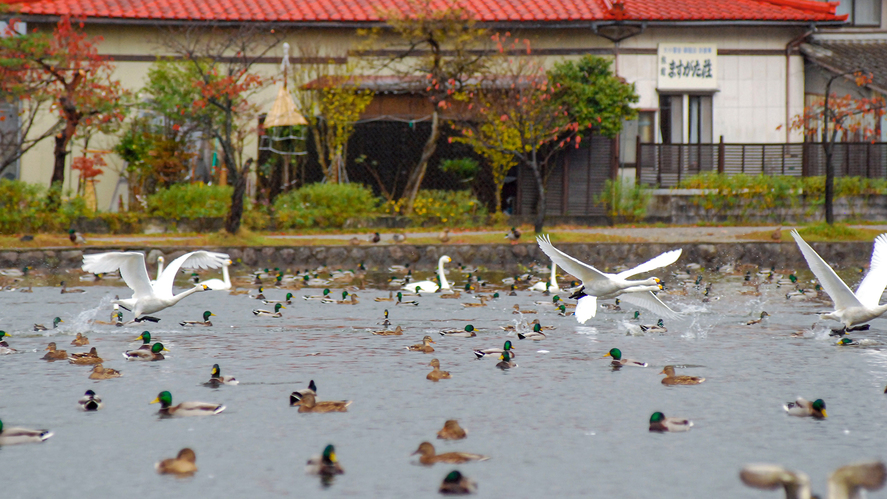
(443, 207)
(190, 201)
(23, 209)
(626, 201)
(324, 205)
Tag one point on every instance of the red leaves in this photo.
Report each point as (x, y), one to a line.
(88, 166)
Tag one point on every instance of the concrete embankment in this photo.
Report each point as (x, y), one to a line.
(491, 256)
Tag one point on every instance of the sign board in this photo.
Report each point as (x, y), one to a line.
(20, 28)
(687, 66)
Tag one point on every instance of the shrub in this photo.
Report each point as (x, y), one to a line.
(465, 169)
(626, 201)
(23, 209)
(190, 201)
(324, 205)
(443, 207)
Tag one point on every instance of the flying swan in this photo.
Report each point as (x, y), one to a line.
(850, 308)
(597, 284)
(148, 298)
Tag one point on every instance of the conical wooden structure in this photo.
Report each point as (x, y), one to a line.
(284, 112)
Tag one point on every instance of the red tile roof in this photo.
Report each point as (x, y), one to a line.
(294, 11)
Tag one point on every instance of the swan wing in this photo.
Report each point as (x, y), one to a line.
(649, 301)
(131, 265)
(663, 260)
(773, 476)
(833, 285)
(583, 271)
(193, 260)
(586, 307)
(872, 286)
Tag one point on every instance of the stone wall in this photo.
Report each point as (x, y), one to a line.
(491, 256)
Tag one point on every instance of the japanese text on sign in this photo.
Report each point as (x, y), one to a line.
(687, 66)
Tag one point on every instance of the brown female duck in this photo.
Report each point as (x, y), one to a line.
(437, 374)
(310, 404)
(428, 456)
(671, 379)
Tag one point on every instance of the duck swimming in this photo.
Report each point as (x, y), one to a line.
(660, 423)
(671, 379)
(618, 361)
(492, 352)
(13, 436)
(90, 401)
(505, 361)
(437, 374)
(428, 456)
(80, 340)
(309, 403)
(205, 322)
(185, 464)
(185, 408)
(54, 354)
(100, 372)
(455, 483)
(536, 334)
(265, 313)
(425, 346)
(296, 396)
(86, 358)
(216, 378)
(325, 464)
(468, 332)
(451, 431)
(55, 325)
(804, 408)
(148, 355)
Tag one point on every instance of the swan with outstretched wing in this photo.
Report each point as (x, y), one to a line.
(148, 298)
(597, 284)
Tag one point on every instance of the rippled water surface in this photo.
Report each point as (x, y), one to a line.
(562, 424)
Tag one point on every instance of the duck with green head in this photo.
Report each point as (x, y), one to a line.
(55, 325)
(146, 340)
(400, 300)
(847, 342)
(804, 408)
(659, 327)
(468, 332)
(326, 464)
(205, 322)
(661, 424)
(185, 408)
(148, 355)
(3, 336)
(324, 296)
(288, 300)
(13, 436)
(618, 361)
(493, 352)
(562, 311)
(536, 334)
(505, 361)
(347, 299)
(455, 483)
(265, 313)
(758, 320)
(216, 378)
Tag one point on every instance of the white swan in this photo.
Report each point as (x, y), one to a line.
(160, 261)
(431, 286)
(540, 286)
(597, 284)
(220, 284)
(850, 308)
(843, 483)
(148, 298)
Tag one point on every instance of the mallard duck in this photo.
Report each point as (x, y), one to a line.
(325, 464)
(216, 378)
(80, 340)
(398, 237)
(659, 327)
(790, 281)
(390, 297)
(297, 395)
(260, 295)
(288, 300)
(54, 354)
(671, 379)
(76, 237)
(451, 431)
(541, 327)
(347, 299)
(147, 297)
(205, 322)
(457, 484)
(493, 352)
(562, 311)
(802, 408)
(265, 313)
(618, 361)
(90, 401)
(85, 358)
(116, 318)
(146, 340)
(847, 342)
(758, 320)
(185, 408)
(100, 372)
(398, 331)
(437, 374)
(517, 310)
(481, 303)
(184, 464)
(513, 235)
(325, 295)
(4, 346)
(66, 289)
(536, 334)
(612, 307)
(13, 436)
(55, 325)
(660, 423)
(375, 238)
(149, 355)
(505, 361)
(309, 403)
(453, 295)
(843, 483)
(400, 300)
(468, 332)
(428, 456)
(425, 346)
(26, 290)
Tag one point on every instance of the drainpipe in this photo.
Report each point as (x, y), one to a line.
(788, 53)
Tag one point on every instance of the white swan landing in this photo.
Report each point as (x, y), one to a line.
(851, 308)
(148, 298)
(597, 284)
(220, 284)
(431, 286)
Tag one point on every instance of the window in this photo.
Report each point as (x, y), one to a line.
(676, 128)
(861, 12)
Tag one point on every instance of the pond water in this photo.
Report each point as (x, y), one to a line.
(562, 424)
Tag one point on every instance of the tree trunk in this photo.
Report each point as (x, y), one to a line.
(56, 184)
(232, 224)
(540, 202)
(418, 174)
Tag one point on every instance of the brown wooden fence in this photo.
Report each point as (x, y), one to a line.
(665, 165)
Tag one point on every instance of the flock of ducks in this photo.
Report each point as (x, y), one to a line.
(150, 296)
